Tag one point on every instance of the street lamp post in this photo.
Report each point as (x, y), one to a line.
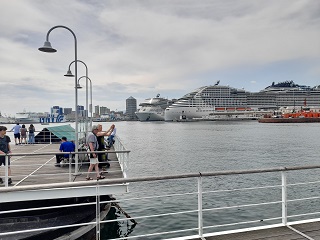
(47, 48)
(69, 74)
(78, 86)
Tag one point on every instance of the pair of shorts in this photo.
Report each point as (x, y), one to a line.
(16, 135)
(94, 160)
(3, 160)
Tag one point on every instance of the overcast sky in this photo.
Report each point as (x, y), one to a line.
(142, 48)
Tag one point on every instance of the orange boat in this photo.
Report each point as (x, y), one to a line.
(298, 117)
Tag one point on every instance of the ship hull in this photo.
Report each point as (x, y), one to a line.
(288, 120)
(148, 116)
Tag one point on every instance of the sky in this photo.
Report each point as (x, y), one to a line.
(142, 48)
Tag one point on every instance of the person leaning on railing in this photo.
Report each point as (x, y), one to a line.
(5, 149)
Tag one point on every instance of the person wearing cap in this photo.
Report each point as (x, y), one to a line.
(65, 146)
(93, 145)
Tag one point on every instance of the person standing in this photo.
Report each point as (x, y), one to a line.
(92, 143)
(113, 131)
(31, 134)
(23, 132)
(102, 157)
(16, 133)
(65, 146)
(5, 149)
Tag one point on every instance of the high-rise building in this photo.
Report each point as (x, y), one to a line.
(131, 107)
(67, 111)
(96, 111)
(103, 110)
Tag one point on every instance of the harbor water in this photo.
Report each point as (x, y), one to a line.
(166, 148)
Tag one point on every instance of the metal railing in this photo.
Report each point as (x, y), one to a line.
(171, 196)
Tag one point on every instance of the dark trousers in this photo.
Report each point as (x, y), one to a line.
(102, 158)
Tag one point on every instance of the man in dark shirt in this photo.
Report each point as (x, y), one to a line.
(65, 146)
(4, 149)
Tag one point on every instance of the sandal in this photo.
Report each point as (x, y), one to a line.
(101, 177)
(89, 178)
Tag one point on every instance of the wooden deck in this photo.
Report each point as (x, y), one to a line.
(311, 231)
(39, 169)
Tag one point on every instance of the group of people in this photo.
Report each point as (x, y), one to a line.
(21, 132)
(20, 136)
(95, 142)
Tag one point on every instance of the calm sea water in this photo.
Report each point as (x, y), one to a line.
(163, 148)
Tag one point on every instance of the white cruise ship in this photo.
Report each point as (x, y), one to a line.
(4, 119)
(34, 117)
(152, 109)
(218, 100)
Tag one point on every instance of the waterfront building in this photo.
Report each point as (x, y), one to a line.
(67, 111)
(131, 108)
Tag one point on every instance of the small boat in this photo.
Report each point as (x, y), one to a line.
(294, 117)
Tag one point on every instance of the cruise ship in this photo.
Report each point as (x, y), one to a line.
(4, 119)
(34, 117)
(152, 109)
(217, 100)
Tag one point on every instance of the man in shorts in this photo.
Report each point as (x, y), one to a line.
(4, 149)
(16, 133)
(93, 144)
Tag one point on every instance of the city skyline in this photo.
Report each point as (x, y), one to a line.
(144, 48)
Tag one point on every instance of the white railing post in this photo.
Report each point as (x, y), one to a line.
(6, 178)
(200, 220)
(97, 212)
(284, 197)
(50, 137)
(70, 166)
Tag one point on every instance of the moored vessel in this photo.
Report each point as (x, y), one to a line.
(216, 99)
(152, 109)
(299, 117)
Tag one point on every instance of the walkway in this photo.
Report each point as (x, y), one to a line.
(311, 231)
(39, 169)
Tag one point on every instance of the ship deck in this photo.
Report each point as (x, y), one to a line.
(40, 169)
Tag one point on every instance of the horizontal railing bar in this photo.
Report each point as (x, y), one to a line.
(54, 153)
(303, 183)
(156, 234)
(165, 214)
(305, 214)
(158, 196)
(47, 228)
(157, 178)
(302, 199)
(238, 206)
(240, 223)
(241, 189)
(45, 208)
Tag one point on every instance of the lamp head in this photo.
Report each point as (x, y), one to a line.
(47, 48)
(79, 86)
(69, 74)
